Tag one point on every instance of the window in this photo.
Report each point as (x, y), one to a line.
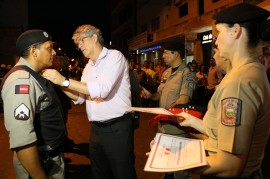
(155, 24)
(183, 10)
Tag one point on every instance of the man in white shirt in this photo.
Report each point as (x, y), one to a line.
(105, 87)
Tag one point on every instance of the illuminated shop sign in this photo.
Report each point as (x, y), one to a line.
(150, 49)
(206, 38)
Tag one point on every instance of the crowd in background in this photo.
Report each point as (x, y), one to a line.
(150, 74)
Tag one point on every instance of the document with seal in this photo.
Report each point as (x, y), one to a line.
(173, 153)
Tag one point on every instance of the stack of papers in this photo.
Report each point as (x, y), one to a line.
(173, 153)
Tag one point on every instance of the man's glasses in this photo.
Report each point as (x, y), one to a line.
(80, 41)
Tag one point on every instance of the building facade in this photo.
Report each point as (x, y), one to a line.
(155, 22)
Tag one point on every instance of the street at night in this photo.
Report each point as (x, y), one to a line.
(77, 161)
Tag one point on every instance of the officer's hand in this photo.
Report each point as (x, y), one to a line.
(54, 76)
(151, 145)
(145, 93)
(185, 119)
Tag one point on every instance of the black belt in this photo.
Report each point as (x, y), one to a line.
(111, 121)
(45, 155)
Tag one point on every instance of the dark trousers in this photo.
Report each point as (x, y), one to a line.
(111, 150)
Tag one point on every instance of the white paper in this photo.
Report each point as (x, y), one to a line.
(173, 153)
(152, 110)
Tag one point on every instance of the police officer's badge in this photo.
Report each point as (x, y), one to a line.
(231, 111)
(22, 112)
(164, 77)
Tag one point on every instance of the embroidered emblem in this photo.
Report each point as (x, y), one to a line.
(231, 111)
(164, 77)
(22, 112)
(22, 89)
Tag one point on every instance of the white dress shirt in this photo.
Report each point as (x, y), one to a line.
(109, 86)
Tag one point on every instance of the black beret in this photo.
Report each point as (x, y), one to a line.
(31, 37)
(173, 45)
(242, 12)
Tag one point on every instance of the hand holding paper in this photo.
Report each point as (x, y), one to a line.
(171, 153)
(185, 119)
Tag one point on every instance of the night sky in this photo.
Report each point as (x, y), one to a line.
(60, 18)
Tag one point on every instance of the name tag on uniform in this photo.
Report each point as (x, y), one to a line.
(22, 89)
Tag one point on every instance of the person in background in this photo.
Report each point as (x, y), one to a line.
(151, 78)
(160, 68)
(33, 113)
(176, 87)
(214, 77)
(145, 66)
(265, 60)
(3, 70)
(61, 64)
(132, 65)
(141, 75)
(105, 87)
(202, 81)
(237, 120)
(194, 66)
(142, 78)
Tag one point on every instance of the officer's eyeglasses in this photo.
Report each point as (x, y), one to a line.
(168, 52)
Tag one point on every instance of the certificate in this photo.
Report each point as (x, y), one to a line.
(152, 110)
(173, 153)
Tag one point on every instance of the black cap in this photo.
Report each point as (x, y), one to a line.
(242, 12)
(174, 45)
(31, 37)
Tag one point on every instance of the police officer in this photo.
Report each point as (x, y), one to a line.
(237, 121)
(176, 87)
(32, 110)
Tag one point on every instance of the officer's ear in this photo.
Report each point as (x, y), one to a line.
(33, 50)
(236, 30)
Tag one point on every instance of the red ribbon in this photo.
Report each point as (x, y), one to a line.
(171, 119)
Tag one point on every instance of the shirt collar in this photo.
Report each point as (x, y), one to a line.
(101, 56)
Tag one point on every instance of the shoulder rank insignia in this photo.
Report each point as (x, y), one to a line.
(22, 112)
(231, 111)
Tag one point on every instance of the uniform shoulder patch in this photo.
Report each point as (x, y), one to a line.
(22, 89)
(22, 112)
(231, 111)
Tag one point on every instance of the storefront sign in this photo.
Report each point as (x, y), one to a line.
(150, 49)
(206, 38)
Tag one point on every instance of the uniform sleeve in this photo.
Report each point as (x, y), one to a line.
(239, 105)
(189, 83)
(20, 97)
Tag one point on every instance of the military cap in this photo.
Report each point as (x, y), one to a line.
(31, 37)
(173, 45)
(239, 13)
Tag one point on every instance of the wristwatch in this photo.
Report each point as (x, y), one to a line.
(66, 83)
